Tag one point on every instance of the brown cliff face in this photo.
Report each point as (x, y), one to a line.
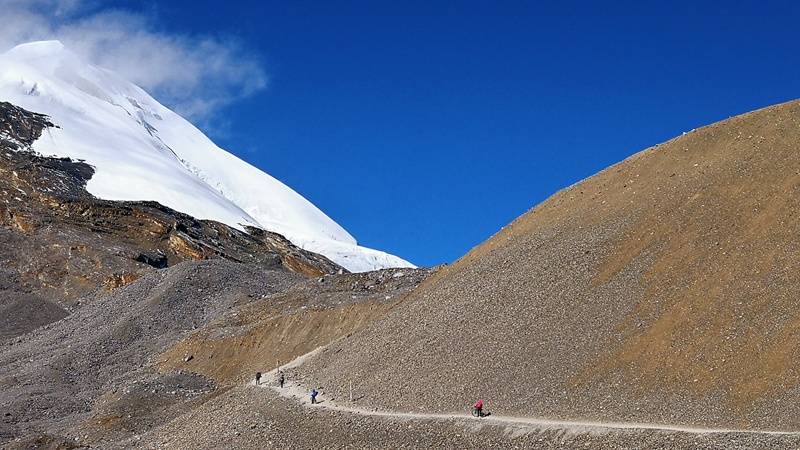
(663, 289)
(58, 243)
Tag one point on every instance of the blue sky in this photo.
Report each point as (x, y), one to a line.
(423, 127)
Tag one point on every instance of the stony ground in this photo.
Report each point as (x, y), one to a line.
(253, 418)
(55, 376)
(145, 355)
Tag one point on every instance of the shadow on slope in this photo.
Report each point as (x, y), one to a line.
(274, 330)
(54, 375)
(255, 319)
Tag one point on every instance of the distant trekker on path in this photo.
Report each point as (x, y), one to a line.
(313, 396)
(281, 379)
(258, 378)
(479, 408)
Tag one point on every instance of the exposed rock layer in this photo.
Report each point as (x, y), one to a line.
(58, 243)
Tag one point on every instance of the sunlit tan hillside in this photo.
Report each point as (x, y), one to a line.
(663, 289)
(653, 305)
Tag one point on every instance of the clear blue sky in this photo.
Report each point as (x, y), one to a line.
(423, 127)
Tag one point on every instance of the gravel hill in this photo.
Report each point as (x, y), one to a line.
(54, 375)
(663, 289)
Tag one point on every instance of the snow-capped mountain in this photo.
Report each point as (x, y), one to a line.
(141, 150)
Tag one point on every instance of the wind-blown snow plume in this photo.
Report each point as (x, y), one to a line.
(194, 75)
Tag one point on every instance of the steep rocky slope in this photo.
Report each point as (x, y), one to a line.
(663, 289)
(277, 329)
(54, 375)
(58, 243)
(174, 339)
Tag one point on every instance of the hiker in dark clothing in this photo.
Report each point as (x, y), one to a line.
(281, 379)
(313, 396)
(258, 378)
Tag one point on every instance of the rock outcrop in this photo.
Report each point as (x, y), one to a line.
(58, 243)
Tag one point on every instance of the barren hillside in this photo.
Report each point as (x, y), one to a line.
(663, 289)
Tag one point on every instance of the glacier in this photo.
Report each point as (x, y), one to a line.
(141, 150)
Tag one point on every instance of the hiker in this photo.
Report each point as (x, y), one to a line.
(281, 379)
(258, 378)
(313, 396)
(479, 408)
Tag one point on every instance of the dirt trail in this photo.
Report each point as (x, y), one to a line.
(302, 394)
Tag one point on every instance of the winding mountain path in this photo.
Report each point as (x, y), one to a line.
(298, 391)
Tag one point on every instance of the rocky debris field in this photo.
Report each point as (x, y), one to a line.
(256, 418)
(113, 369)
(54, 376)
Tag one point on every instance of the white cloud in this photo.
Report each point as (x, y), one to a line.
(194, 75)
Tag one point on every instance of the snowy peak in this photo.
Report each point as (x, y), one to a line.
(141, 150)
(46, 55)
(64, 67)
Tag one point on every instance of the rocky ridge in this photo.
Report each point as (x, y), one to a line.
(58, 243)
